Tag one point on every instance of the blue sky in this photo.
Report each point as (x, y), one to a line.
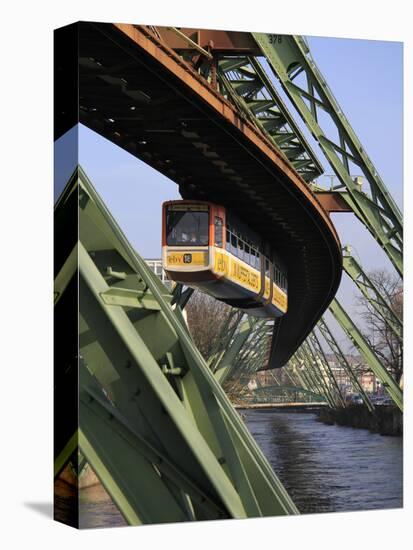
(366, 78)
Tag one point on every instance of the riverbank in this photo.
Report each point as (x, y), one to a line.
(285, 406)
(385, 420)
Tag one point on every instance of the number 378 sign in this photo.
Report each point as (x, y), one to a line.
(275, 38)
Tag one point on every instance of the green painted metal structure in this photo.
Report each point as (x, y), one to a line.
(318, 351)
(343, 362)
(283, 394)
(289, 58)
(355, 335)
(154, 423)
(372, 294)
(245, 81)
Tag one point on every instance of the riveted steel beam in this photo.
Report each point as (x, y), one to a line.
(273, 394)
(227, 361)
(289, 58)
(312, 364)
(248, 85)
(374, 363)
(342, 362)
(372, 294)
(151, 413)
(319, 352)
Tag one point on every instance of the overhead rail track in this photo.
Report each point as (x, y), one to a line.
(246, 79)
(138, 93)
(200, 108)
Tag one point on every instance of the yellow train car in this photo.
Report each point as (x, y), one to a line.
(205, 246)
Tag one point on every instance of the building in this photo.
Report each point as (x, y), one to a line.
(156, 265)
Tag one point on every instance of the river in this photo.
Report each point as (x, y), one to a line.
(329, 468)
(324, 468)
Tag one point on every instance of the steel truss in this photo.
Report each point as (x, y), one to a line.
(342, 362)
(283, 394)
(290, 59)
(372, 294)
(154, 424)
(374, 363)
(246, 83)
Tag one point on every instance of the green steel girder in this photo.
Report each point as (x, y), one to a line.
(289, 57)
(305, 358)
(393, 241)
(245, 81)
(319, 352)
(252, 356)
(304, 373)
(372, 294)
(227, 362)
(312, 363)
(148, 401)
(230, 326)
(111, 444)
(274, 377)
(342, 361)
(180, 296)
(374, 363)
(280, 390)
(65, 454)
(301, 382)
(65, 274)
(256, 350)
(288, 375)
(308, 370)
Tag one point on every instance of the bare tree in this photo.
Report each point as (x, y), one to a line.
(382, 339)
(206, 316)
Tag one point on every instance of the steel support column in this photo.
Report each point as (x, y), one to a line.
(289, 58)
(364, 348)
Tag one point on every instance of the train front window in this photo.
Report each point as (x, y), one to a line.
(187, 228)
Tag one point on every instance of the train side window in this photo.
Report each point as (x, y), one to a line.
(252, 257)
(257, 260)
(234, 245)
(267, 268)
(240, 249)
(228, 241)
(218, 232)
(247, 254)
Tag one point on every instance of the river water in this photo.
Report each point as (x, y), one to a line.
(324, 468)
(329, 468)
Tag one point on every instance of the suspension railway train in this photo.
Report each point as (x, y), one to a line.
(205, 246)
